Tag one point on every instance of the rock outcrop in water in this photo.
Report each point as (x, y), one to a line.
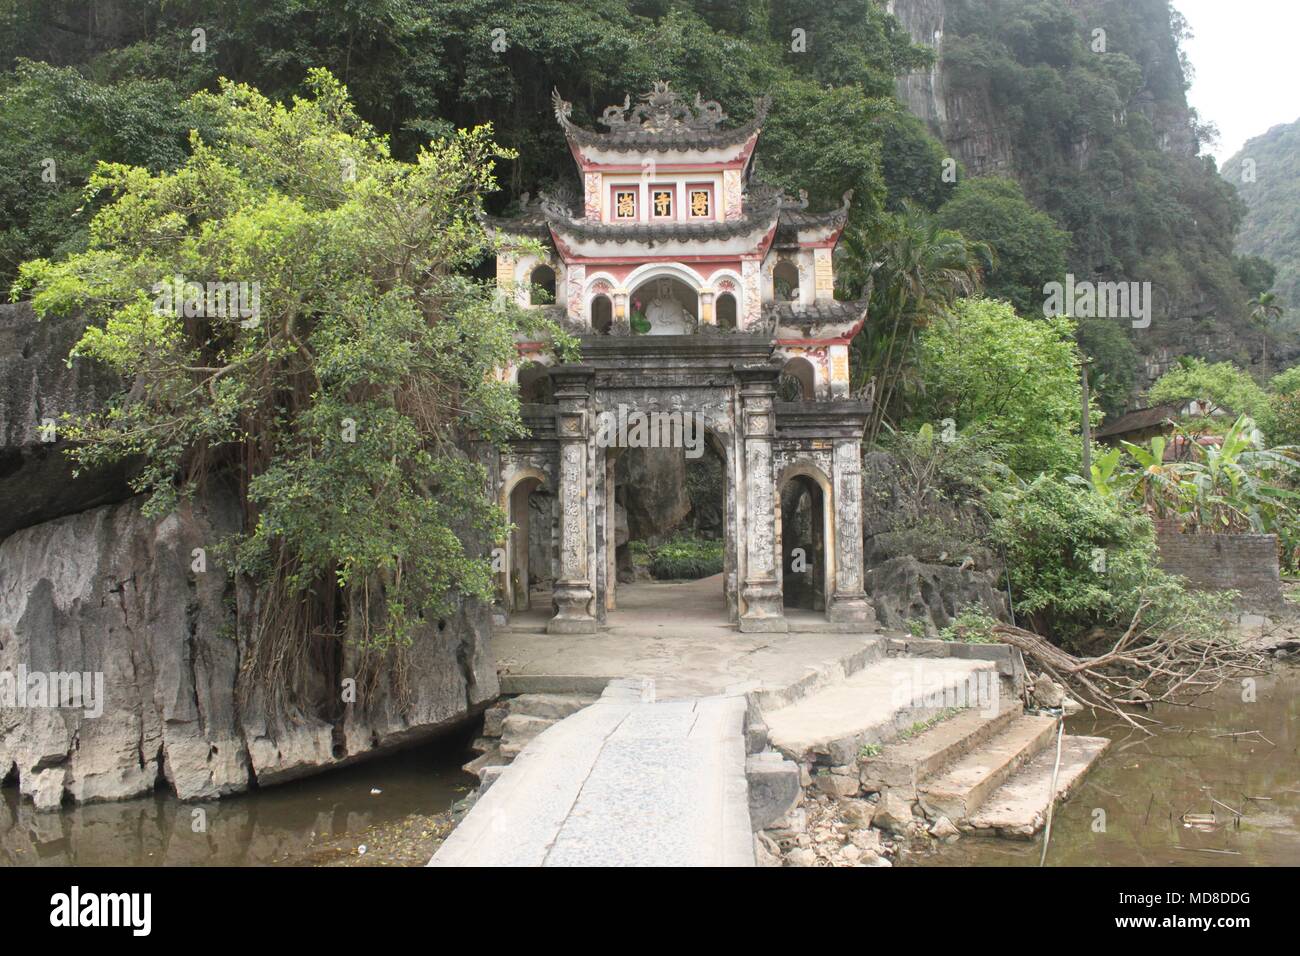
(101, 589)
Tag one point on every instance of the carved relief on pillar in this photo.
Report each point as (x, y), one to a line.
(839, 371)
(576, 276)
(751, 279)
(732, 190)
(761, 591)
(591, 196)
(573, 593)
(849, 603)
(824, 274)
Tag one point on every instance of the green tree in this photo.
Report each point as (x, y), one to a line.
(1114, 363)
(1223, 384)
(336, 397)
(1029, 246)
(1013, 379)
(1264, 311)
(54, 126)
(913, 271)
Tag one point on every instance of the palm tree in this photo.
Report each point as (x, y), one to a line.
(1265, 310)
(912, 271)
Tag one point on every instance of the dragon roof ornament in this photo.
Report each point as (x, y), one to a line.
(660, 119)
(660, 111)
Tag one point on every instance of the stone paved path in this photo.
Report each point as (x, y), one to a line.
(626, 782)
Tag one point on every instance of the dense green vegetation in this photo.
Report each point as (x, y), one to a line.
(1104, 143)
(346, 156)
(336, 397)
(1015, 380)
(1266, 174)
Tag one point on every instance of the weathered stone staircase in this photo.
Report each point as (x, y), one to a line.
(934, 741)
(944, 737)
(509, 725)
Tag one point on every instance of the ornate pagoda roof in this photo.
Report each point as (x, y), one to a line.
(660, 122)
(764, 207)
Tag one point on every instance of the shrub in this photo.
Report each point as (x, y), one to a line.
(685, 558)
(1079, 560)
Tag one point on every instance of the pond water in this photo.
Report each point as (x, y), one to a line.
(292, 823)
(1145, 785)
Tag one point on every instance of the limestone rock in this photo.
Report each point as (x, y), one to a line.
(837, 784)
(857, 813)
(893, 813)
(766, 850)
(37, 384)
(945, 830)
(801, 857)
(1047, 692)
(903, 589)
(110, 592)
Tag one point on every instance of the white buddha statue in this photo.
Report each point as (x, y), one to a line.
(667, 315)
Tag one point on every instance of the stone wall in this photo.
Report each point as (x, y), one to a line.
(89, 584)
(109, 591)
(1241, 562)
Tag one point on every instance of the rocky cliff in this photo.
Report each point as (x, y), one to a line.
(1084, 103)
(38, 385)
(103, 591)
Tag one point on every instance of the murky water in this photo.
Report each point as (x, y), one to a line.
(1145, 786)
(285, 824)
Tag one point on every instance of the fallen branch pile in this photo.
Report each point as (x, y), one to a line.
(1143, 667)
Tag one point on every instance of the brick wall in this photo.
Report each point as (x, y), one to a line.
(1242, 562)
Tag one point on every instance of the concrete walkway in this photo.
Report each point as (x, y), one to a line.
(677, 635)
(627, 781)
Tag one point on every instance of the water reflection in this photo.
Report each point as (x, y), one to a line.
(277, 825)
(1144, 786)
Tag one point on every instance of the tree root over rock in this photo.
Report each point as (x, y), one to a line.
(1144, 667)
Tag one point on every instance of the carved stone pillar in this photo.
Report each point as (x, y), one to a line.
(761, 591)
(573, 591)
(849, 604)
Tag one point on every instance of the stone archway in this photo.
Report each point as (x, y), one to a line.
(528, 503)
(666, 497)
(807, 538)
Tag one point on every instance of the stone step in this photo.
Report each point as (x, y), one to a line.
(902, 765)
(873, 705)
(518, 730)
(1018, 808)
(549, 706)
(492, 758)
(962, 786)
(493, 718)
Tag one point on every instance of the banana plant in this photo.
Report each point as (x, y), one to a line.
(1158, 484)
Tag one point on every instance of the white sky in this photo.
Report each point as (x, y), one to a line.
(1247, 66)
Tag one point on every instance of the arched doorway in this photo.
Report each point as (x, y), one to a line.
(664, 305)
(785, 281)
(530, 545)
(602, 315)
(806, 540)
(535, 385)
(726, 310)
(670, 542)
(541, 286)
(798, 381)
